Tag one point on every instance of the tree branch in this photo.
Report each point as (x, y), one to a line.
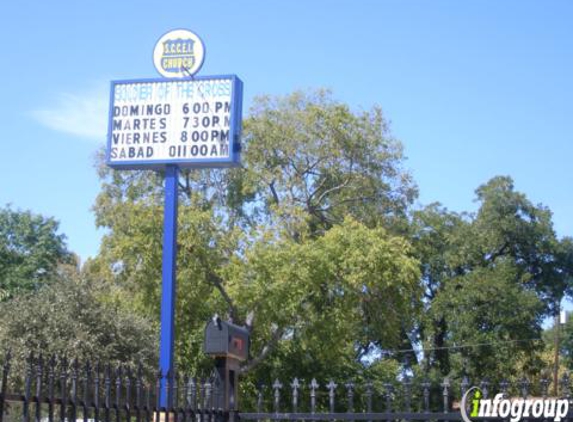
(498, 253)
(310, 167)
(333, 189)
(268, 348)
(187, 186)
(218, 283)
(250, 321)
(344, 201)
(320, 185)
(274, 192)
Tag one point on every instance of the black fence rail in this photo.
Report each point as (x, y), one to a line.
(58, 390)
(407, 399)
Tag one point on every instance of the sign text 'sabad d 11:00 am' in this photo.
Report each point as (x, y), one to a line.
(189, 122)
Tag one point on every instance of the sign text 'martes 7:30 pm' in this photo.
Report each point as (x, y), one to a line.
(189, 122)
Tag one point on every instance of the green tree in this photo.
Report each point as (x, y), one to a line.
(30, 250)
(299, 242)
(508, 227)
(482, 270)
(310, 161)
(494, 322)
(436, 240)
(329, 300)
(71, 318)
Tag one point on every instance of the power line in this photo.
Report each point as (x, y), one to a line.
(463, 346)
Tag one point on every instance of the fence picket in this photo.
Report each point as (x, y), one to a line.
(350, 396)
(5, 371)
(27, 389)
(157, 409)
(148, 403)
(107, 393)
(331, 395)
(63, 388)
(277, 389)
(86, 384)
(564, 383)
(407, 384)
(388, 391)
(117, 405)
(446, 394)
(97, 390)
(127, 402)
(368, 395)
(295, 387)
(260, 398)
(74, 392)
(426, 394)
(313, 387)
(39, 379)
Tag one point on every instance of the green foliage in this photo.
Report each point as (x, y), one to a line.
(312, 245)
(310, 162)
(30, 251)
(488, 311)
(565, 333)
(509, 227)
(291, 244)
(329, 298)
(130, 260)
(69, 318)
(489, 279)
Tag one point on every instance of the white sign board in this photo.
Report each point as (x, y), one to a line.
(189, 122)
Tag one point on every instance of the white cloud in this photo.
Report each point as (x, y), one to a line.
(81, 114)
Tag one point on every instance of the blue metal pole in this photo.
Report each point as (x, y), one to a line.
(169, 286)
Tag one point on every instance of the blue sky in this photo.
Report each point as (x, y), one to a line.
(472, 89)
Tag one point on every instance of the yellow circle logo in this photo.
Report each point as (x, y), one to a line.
(179, 54)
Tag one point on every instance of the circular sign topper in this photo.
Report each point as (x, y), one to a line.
(178, 54)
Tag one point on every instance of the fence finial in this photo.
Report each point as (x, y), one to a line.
(350, 396)
(277, 387)
(446, 393)
(388, 390)
(313, 387)
(544, 381)
(504, 386)
(426, 392)
(368, 393)
(295, 385)
(564, 382)
(524, 386)
(331, 394)
(260, 388)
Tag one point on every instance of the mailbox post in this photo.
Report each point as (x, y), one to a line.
(229, 345)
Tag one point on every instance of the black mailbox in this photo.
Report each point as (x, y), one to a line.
(229, 345)
(223, 339)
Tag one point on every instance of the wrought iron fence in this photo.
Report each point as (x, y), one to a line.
(58, 390)
(55, 390)
(408, 399)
